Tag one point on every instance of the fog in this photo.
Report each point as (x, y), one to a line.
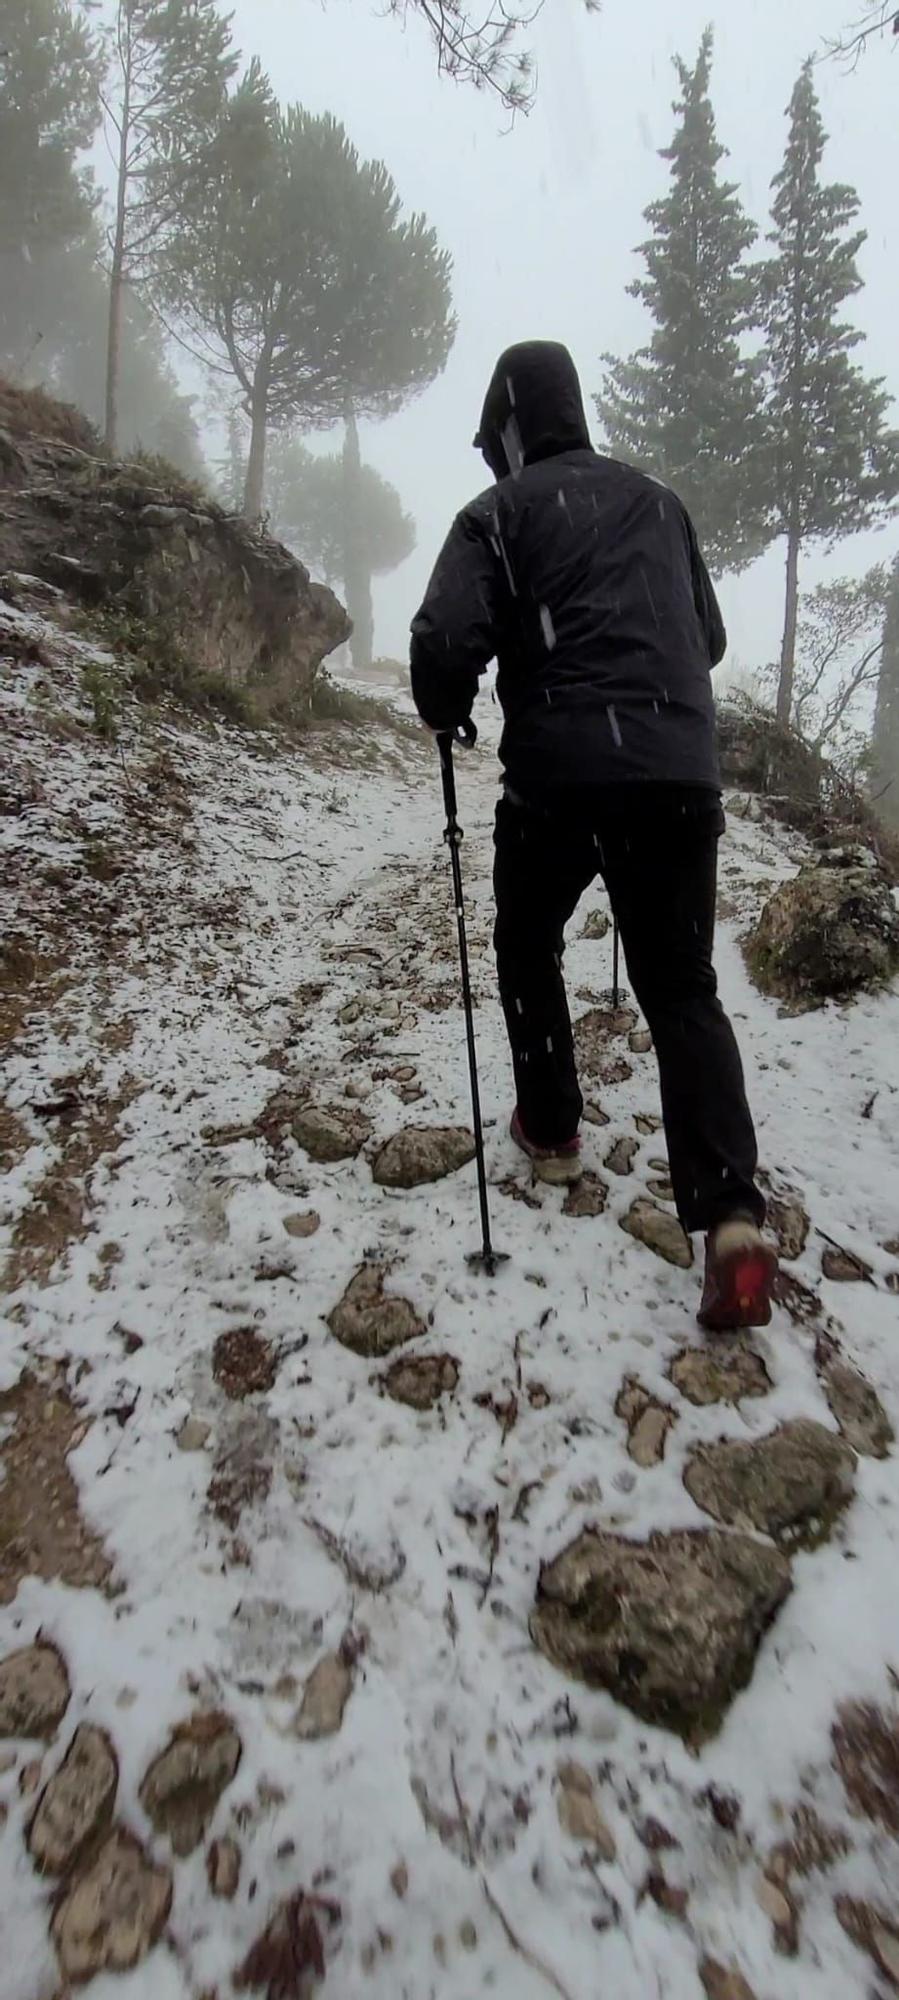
(542, 219)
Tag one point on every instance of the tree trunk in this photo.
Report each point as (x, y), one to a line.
(791, 607)
(254, 486)
(356, 572)
(884, 787)
(117, 273)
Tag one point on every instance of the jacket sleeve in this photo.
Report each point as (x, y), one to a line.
(708, 610)
(454, 633)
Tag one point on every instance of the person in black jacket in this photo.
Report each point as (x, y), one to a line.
(583, 578)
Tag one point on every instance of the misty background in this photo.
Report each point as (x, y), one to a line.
(542, 218)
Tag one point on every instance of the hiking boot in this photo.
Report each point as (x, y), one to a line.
(740, 1269)
(561, 1165)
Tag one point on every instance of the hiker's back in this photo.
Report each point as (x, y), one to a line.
(604, 652)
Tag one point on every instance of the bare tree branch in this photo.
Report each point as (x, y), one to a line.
(879, 19)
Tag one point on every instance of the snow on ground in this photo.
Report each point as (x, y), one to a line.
(236, 920)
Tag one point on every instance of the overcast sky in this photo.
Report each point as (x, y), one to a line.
(542, 220)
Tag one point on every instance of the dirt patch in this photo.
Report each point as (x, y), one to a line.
(60, 1205)
(42, 1532)
(14, 1140)
(243, 1363)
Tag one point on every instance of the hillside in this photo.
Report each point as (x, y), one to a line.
(280, 1534)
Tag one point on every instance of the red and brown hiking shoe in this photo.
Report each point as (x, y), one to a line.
(560, 1165)
(740, 1269)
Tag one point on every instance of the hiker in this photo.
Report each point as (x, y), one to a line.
(583, 578)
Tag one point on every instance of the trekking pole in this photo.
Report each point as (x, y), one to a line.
(486, 1259)
(616, 991)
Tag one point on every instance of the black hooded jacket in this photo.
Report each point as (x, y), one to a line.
(582, 577)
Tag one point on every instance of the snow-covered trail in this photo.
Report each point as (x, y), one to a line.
(285, 925)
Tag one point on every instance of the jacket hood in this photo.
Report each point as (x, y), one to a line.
(533, 408)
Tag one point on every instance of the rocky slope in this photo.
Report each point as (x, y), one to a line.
(362, 1619)
(168, 565)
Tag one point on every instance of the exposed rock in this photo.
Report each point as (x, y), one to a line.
(303, 1224)
(639, 1041)
(223, 1864)
(193, 1435)
(670, 1626)
(113, 1914)
(812, 1847)
(587, 1196)
(593, 1034)
(616, 1071)
(855, 1405)
(873, 1931)
(422, 1379)
(790, 1485)
(719, 1374)
(596, 926)
(325, 1697)
(595, 1115)
(828, 933)
(243, 1363)
(789, 1221)
(34, 1691)
(422, 1153)
(242, 1472)
(660, 1187)
(843, 1268)
(659, 1231)
(648, 1122)
(237, 602)
(620, 1157)
(290, 1952)
(77, 1803)
(780, 1909)
(723, 1982)
(183, 1785)
(666, 1895)
(758, 755)
(329, 1133)
(866, 1749)
(579, 1814)
(371, 1321)
(648, 1422)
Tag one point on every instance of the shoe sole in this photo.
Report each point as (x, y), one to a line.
(745, 1290)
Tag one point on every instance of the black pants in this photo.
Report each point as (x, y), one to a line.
(657, 851)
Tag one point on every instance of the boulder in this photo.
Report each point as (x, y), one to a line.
(114, 1913)
(422, 1379)
(719, 1374)
(659, 1231)
(183, 1785)
(200, 581)
(370, 1320)
(669, 1626)
(329, 1132)
(34, 1691)
(422, 1153)
(77, 1803)
(829, 933)
(790, 1485)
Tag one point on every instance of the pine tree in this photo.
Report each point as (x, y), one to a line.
(49, 109)
(834, 466)
(885, 739)
(687, 406)
(170, 62)
(292, 263)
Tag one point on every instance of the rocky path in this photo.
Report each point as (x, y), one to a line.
(361, 1618)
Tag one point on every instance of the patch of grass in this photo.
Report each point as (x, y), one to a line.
(332, 703)
(149, 468)
(30, 412)
(99, 688)
(163, 667)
